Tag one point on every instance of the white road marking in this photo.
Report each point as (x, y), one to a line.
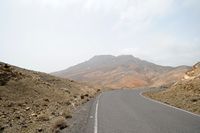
(168, 105)
(96, 116)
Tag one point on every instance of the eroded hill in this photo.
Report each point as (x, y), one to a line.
(37, 102)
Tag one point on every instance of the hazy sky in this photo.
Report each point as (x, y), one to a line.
(50, 35)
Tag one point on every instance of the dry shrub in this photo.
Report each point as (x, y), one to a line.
(43, 117)
(82, 96)
(66, 114)
(58, 123)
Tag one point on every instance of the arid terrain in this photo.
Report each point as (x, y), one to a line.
(125, 71)
(37, 102)
(184, 94)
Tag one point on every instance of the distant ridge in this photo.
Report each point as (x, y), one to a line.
(124, 71)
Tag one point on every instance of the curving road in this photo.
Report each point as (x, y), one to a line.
(126, 111)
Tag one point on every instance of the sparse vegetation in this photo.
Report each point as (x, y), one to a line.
(33, 102)
(58, 124)
(43, 117)
(66, 114)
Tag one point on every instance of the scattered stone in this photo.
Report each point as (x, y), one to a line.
(34, 115)
(27, 108)
(46, 99)
(66, 114)
(27, 103)
(82, 96)
(2, 129)
(10, 104)
(24, 126)
(58, 123)
(45, 105)
(43, 117)
(39, 129)
(86, 95)
(68, 103)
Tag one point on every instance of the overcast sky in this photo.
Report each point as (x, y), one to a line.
(50, 35)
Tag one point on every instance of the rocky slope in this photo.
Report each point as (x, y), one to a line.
(170, 77)
(124, 71)
(37, 102)
(183, 94)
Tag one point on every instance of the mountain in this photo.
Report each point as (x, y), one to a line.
(125, 71)
(185, 93)
(37, 102)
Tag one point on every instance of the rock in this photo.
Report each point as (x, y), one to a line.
(68, 103)
(10, 104)
(43, 117)
(24, 126)
(58, 123)
(46, 99)
(39, 129)
(2, 129)
(82, 96)
(34, 115)
(87, 95)
(27, 108)
(18, 117)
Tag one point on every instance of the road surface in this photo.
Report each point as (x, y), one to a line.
(126, 111)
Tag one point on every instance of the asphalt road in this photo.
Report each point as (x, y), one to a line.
(126, 111)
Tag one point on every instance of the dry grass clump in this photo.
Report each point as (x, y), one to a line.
(43, 117)
(66, 114)
(58, 123)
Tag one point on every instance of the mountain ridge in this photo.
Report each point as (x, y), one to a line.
(116, 71)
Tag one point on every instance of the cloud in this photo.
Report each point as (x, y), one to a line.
(191, 4)
(139, 14)
(70, 31)
(166, 49)
(55, 4)
(136, 13)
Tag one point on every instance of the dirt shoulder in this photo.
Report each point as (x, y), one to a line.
(80, 118)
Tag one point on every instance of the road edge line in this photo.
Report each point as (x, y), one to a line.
(168, 105)
(96, 116)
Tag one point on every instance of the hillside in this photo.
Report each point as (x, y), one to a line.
(183, 94)
(121, 71)
(37, 102)
(170, 77)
